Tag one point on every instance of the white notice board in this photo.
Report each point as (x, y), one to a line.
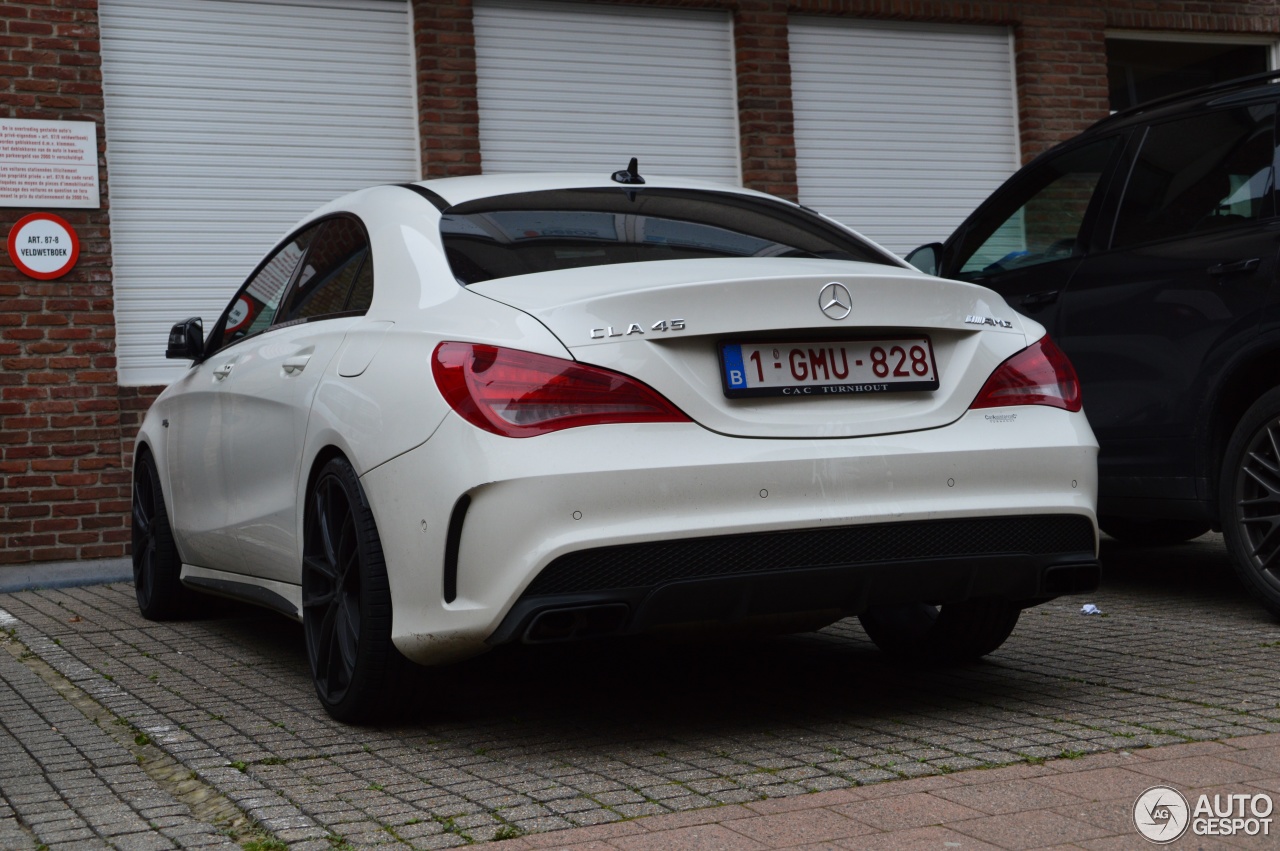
(48, 163)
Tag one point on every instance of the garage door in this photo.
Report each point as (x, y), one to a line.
(901, 129)
(227, 121)
(573, 87)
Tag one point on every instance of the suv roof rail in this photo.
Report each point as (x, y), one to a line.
(1231, 85)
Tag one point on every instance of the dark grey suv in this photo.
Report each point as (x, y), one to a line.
(1148, 246)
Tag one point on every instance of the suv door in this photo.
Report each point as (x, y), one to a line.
(1150, 322)
(1027, 241)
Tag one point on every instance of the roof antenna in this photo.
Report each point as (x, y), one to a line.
(631, 175)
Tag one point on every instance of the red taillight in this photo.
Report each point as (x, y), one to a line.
(1038, 375)
(522, 394)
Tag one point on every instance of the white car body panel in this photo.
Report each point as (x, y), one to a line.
(237, 495)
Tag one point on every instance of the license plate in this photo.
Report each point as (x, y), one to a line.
(828, 368)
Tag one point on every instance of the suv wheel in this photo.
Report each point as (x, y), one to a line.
(1249, 499)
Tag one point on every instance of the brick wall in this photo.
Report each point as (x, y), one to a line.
(65, 493)
(448, 112)
(66, 429)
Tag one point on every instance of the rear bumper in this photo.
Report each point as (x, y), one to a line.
(471, 522)
(842, 571)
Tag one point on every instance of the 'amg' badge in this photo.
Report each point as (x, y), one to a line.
(987, 320)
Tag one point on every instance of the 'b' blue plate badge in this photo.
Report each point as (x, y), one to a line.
(734, 375)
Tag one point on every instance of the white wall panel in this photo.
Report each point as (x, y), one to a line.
(226, 122)
(572, 87)
(901, 128)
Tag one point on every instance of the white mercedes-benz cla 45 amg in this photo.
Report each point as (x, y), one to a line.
(447, 415)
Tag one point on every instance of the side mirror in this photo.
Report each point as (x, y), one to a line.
(926, 257)
(186, 340)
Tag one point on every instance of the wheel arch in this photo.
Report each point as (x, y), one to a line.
(327, 453)
(1256, 372)
(143, 445)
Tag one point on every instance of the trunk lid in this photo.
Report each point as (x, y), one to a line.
(664, 323)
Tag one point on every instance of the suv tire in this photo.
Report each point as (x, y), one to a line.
(1249, 499)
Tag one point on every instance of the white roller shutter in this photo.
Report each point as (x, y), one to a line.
(901, 129)
(226, 122)
(572, 87)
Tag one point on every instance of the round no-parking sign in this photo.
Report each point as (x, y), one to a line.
(43, 246)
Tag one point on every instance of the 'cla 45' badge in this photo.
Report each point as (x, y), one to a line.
(635, 328)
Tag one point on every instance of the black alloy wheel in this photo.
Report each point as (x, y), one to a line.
(156, 563)
(346, 602)
(1249, 495)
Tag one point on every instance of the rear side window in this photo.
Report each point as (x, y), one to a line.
(564, 229)
(254, 308)
(1201, 173)
(337, 262)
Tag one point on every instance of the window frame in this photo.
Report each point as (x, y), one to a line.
(216, 334)
(294, 281)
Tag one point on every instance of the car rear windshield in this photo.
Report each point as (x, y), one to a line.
(564, 229)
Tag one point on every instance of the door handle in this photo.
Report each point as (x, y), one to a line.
(1039, 299)
(294, 365)
(1219, 269)
(221, 372)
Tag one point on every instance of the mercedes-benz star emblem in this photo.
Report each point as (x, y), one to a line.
(835, 301)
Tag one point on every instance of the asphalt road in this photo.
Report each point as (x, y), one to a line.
(117, 732)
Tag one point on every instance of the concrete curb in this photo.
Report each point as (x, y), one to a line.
(64, 574)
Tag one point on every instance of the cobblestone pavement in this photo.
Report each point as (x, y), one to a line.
(116, 732)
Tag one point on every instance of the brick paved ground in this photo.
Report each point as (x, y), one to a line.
(182, 735)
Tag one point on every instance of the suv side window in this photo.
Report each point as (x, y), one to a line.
(1200, 173)
(253, 308)
(336, 278)
(1041, 221)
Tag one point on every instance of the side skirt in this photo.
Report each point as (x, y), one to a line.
(281, 597)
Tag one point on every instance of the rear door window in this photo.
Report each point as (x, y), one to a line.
(1200, 174)
(253, 309)
(336, 278)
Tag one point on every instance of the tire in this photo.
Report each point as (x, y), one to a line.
(1152, 533)
(346, 601)
(156, 563)
(1249, 500)
(929, 635)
